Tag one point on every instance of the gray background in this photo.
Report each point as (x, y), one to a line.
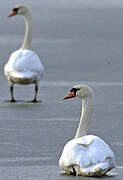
(79, 42)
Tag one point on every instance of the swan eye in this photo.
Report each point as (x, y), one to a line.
(74, 89)
(15, 9)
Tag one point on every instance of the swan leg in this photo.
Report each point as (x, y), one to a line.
(73, 172)
(36, 91)
(12, 94)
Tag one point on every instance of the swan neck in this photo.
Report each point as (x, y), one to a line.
(87, 109)
(28, 31)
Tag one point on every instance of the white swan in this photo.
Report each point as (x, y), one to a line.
(24, 66)
(86, 155)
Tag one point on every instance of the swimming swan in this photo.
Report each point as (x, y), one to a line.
(86, 155)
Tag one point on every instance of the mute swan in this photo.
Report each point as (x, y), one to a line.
(24, 66)
(86, 155)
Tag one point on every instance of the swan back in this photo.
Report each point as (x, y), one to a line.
(87, 153)
(24, 63)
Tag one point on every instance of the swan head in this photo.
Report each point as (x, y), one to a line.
(21, 9)
(80, 91)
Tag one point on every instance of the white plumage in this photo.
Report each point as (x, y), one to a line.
(24, 67)
(86, 155)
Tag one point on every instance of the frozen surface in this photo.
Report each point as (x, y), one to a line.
(78, 42)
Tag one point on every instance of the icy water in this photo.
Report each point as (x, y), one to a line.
(79, 43)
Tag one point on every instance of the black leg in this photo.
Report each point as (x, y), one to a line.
(12, 95)
(36, 91)
(74, 172)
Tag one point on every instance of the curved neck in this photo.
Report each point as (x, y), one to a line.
(28, 31)
(87, 108)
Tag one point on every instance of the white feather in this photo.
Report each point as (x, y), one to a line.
(86, 155)
(24, 64)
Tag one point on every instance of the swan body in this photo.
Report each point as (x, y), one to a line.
(24, 66)
(86, 155)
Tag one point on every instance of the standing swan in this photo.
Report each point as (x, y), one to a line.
(86, 155)
(24, 66)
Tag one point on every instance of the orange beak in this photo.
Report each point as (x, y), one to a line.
(71, 95)
(12, 14)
